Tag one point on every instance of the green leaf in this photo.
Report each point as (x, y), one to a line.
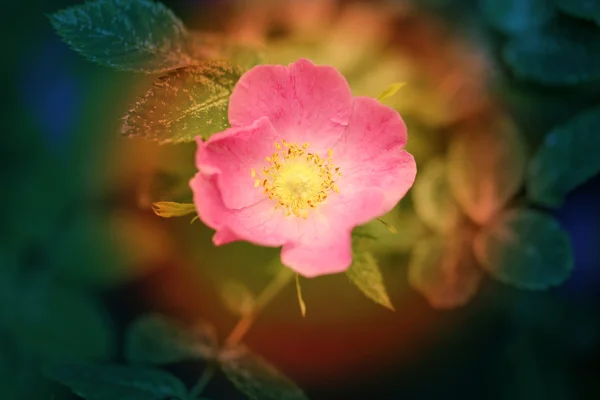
(517, 16)
(183, 104)
(526, 249)
(586, 9)
(432, 199)
(563, 53)
(444, 270)
(112, 382)
(391, 90)
(157, 339)
(567, 158)
(237, 298)
(256, 378)
(168, 209)
(486, 164)
(365, 274)
(129, 35)
(58, 322)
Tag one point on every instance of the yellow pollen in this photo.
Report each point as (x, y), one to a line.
(296, 180)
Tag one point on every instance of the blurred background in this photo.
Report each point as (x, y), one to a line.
(82, 254)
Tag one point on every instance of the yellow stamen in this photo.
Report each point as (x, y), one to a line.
(297, 181)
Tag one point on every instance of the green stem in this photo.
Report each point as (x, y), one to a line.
(268, 293)
(206, 376)
(241, 328)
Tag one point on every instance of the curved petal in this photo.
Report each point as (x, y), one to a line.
(353, 209)
(231, 155)
(224, 236)
(323, 244)
(260, 223)
(323, 252)
(370, 153)
(207, 200)
(305, 103)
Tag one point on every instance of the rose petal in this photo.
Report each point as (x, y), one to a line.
(224, 236)
(231, 155)
(370, 153)
(207, 200)
(320, 253)
(353, 209)
(323, 243)
(305, 103)
(260, 223)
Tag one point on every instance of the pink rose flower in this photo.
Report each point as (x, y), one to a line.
(302, 165)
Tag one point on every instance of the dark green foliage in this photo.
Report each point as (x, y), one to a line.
(517, 16)
(116, 382)
(586, 9)
(567, 158)
(563, 53)
(157, 339)
(526, 249)
(256, 378)
(130, 35)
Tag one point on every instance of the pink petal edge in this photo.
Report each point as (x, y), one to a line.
(304, 102)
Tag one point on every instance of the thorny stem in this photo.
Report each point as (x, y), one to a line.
(272, 289)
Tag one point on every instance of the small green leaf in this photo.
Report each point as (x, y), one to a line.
(567, 158)
(168, 209)
(365, 274)
(256, 378)
(391, 228)
(526, 249)
(432, 199)
(184, 104)
(444, 270)
(300, 298)
(112, 382)
(157, 339)
(486, 164)
(563, 53)
(586, 9)
(58, 322)
(129, 35)
(237, 298)
(517, 16)
(391, 90)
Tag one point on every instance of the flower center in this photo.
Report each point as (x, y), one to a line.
(296, 179)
